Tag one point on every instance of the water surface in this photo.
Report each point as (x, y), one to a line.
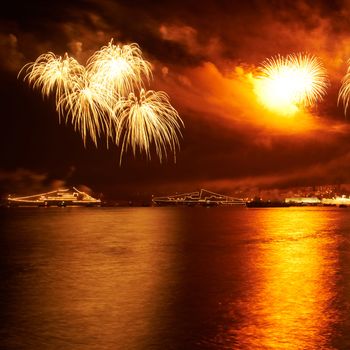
(175, 278)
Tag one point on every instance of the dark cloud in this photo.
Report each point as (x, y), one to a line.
(26, 182)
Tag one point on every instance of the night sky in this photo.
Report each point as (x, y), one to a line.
(204, 55)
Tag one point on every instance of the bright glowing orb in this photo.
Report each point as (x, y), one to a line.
(287, 84)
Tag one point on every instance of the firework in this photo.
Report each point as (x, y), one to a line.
(100, 99)
(344, 92)
(119, 68)
(287, 83)
(86, 107)
(148, 119)
(51, 73)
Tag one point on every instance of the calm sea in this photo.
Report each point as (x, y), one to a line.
(175, 278)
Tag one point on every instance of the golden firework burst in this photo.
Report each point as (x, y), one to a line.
(87, 108)
(148, 119)
(287, 83)
(101, 99)
(344, 91)
(120, 68)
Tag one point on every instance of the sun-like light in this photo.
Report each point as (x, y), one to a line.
(286, 84)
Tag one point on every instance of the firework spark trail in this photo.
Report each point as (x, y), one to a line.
(119, 68)
(344, 91)
(312, 78)
(287, 83)
(89, 111)
(50, 72)
(146, 120)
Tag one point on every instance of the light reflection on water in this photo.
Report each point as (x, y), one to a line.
(175, 278)
(291, 279)
(83, 278)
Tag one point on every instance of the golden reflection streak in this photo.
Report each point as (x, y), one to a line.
(293, 283)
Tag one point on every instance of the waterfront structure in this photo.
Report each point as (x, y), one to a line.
(202, 198)
(337, 201)
(259, 203)
(303, 200)
(60, 198)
